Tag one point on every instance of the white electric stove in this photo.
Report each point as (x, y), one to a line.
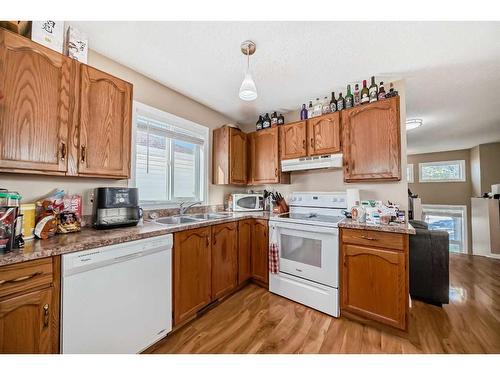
(308, 242)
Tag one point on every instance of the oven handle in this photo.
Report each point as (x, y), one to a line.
(334, 231)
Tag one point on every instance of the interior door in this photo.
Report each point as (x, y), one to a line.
(35, 111)
(105, 124)
(310, 252)
(293, 140)
(372, 144)
(324, 134)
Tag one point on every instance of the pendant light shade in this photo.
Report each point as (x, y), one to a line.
(248, 90)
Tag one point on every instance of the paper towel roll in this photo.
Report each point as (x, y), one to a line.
(352, 198)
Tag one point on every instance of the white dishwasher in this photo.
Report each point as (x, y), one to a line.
(118, 298)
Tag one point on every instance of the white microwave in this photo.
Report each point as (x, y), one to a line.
(248, 202)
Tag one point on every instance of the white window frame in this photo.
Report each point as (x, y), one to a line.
(179, 122)
(449, 207)
(447, 162)
(409, 176)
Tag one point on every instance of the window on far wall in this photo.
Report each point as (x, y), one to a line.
(170, 157)
(452, 219)
(409, 173)
(442, 171)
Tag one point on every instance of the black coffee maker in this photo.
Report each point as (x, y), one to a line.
(115, 207)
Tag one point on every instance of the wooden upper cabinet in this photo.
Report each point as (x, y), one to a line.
(35, 111)
(229, 162)
(25, 323)
(224, 259)
(192, 272)
(105, 124)
(324, 134)
(293, 140)
(264, 158)
(372, 141)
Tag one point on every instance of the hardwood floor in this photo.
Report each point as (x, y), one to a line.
(256, 321)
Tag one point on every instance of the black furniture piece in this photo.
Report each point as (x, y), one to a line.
(429, 264)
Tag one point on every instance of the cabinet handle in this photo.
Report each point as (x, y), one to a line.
(276, 172)
(368, 238)
(208, 241)
(312, 142)
(22, 278)
(304, 144)
(45, 315)
(83, 154)
(63, 151)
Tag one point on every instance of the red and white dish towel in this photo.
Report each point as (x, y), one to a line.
(274, 252)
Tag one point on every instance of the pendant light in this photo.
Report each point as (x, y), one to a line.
(248, 90)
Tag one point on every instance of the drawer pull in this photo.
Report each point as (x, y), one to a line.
(22, 278)
(46, 315)
(368, 238)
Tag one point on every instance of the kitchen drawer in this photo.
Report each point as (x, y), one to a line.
(23, 276)
(384, 240)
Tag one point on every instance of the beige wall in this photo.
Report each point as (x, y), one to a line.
(146, 91)
(489, 154)
(453, 193)
(333, 179)
(475, 171)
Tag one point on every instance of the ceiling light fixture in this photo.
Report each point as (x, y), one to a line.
(413, 123)
(248, 90)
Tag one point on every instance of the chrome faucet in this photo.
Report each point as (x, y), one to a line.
(183, 209)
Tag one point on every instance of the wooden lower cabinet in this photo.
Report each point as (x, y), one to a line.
(260, 251)
(244, 250)
(29, 307)
(375, 281)
(224, 259)
(192, 272)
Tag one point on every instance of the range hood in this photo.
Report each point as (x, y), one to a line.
(312, 162)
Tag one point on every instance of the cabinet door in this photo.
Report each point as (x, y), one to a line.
(293, 140)
(25, 323)
(224, 259)
(260, 251)
(372, 144)
(244, 250)
(192, 272)
(105, 124)
(264, 156)
(374, 284)
(324, 134)
(35, 111)
(238, 157)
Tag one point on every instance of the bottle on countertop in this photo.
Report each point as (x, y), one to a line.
(267, 122)
(381, 91)
(310, 109)
(340, 103)
(326, 106)
(357, 97)
(333, 103)
(373, 91)
(281, 119)
(365, 94)
(274, 119)
(349, 99)
(258, 125)
(303, 112)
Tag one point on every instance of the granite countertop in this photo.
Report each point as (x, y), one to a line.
(90, 238)
(393, 227)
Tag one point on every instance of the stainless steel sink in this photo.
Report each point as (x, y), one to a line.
(172, 220)
(210, 216)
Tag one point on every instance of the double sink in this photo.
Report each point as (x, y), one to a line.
(195, 218)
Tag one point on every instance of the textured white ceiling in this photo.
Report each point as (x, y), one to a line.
(452, 69)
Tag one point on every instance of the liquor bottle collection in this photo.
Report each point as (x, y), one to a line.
(265, 122)
(351, 99)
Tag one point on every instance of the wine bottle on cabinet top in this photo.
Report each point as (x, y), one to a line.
(357, 97)
(349, 99)
(365, 97)
(381, 91)
(340, 103)
(310, 109)
(258, 125)
(267, 122)
(325, 106)
(373, 91)
(333, 103)
(303, 112)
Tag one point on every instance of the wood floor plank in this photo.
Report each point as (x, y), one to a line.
(254, 320)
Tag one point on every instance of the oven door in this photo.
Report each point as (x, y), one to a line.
(308, 251)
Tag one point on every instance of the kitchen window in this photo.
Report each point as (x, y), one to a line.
(442, 171)
(452, 219)
(170, 158)
(409, 173)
